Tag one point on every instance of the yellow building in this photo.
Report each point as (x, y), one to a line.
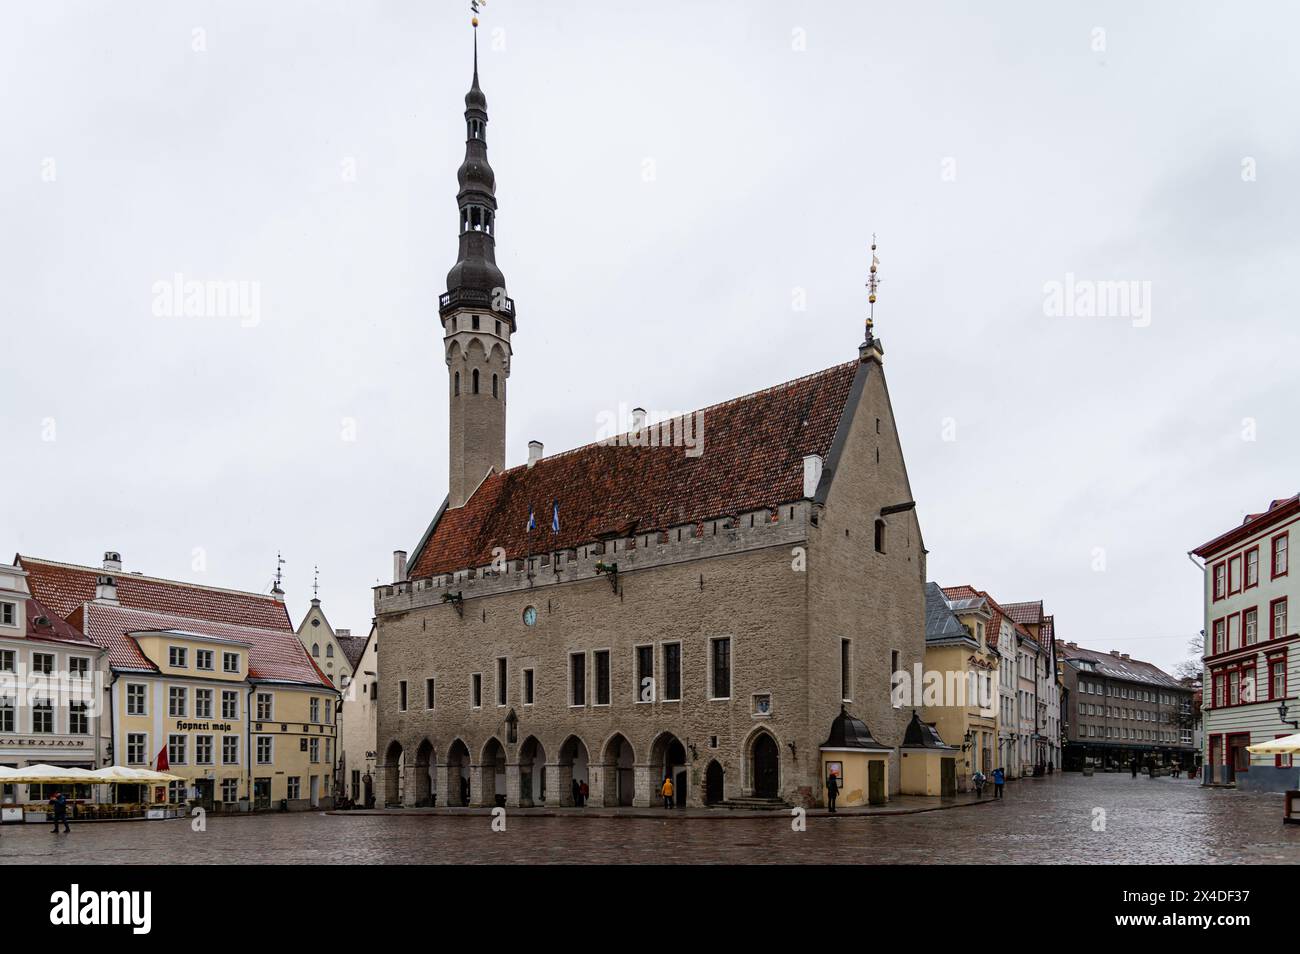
(960, 690)
(210, 685)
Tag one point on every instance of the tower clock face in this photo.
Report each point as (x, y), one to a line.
(530, 616)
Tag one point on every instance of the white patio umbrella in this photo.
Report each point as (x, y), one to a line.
(132, 776)
(48, 775)
(1289, 745)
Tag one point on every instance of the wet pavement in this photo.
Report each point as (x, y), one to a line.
(1041, 821)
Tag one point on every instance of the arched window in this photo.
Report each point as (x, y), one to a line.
(315, 650)
(329, 651)
(457, 384)
(494, 385)
(880, 536)
(474, 384)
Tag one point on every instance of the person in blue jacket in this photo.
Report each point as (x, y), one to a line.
(999, 779)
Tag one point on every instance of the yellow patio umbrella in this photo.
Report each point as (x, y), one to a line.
(1289, 745)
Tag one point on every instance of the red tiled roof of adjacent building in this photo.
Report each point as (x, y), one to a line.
(994, 627)
(353, 647)
(65, 586)
(1278, 510)
(1027, 612)
(274, 655)
(753, 451)
(55, 629)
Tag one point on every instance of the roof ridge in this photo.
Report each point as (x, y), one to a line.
(613, 440)
(190, 619)
(125, 575)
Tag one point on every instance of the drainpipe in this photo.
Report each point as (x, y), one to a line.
(248, 743)
(112, 726)
(1205, 634)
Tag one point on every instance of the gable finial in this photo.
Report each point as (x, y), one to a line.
(873, 282)
(315, 582)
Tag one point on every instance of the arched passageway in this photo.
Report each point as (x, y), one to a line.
(668, 760)
(572, 770)
(393, 770)
(619, 762)
(492, 770)
(713, 783)
(532, 773)
(422, 778)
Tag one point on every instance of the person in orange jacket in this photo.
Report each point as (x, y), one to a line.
(667, 792)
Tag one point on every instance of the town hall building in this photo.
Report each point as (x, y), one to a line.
(720, 600)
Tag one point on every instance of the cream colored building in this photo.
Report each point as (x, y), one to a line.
(966, 717)
(326, 645)
(357, 723)
(209, 684)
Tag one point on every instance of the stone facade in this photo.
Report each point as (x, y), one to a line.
(785, 586)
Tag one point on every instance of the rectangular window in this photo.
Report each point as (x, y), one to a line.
(502, 675)
(1220, 633)
(176, 753)
(602, 677)
(265, 710)
(1234, 631)
(846, 685)
(135, 699)
(1278, 614)
(229, 704)
(203, 750)
(43, 663)
(78, 718)
(1220, 580)
(78, 667)
(720, 656)
(8, 714)
(577, 679)
(230, 662)
(177, 701)
(1234, 575)
(230, 789)
(8, 614)
(1250, 626)
(295, 787)
(203, 659)
(428, 694)
(313, 750)
(1252, 567)
(896, 698)
(528, 687)
(1277, 677)
(645, 674)
(476, 690)
(672, 672)
(135, 748)
(1280, 555)
(401, 695)
(8, 659)
(177, 657)
(230, 750)
(203, 703)
(264, 750)
(313, 706)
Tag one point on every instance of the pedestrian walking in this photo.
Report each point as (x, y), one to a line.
(585, 792)
(832, 790)
(1134, 766)
(999, 780)
(577, 794)
(59, 802)
(979, 778)
(666, 790)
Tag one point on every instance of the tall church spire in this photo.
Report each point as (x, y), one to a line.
(478, 317)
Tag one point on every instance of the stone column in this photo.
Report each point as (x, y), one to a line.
(559, 784)
(442, 782)
(513, 791)
(645, 786)
(384, 773)
(596, 775)
(410, 786)
(479, 787)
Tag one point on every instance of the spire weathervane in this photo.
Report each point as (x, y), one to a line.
(872, 284)
(315, 582)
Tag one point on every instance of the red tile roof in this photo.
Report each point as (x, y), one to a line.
(753, 450)
(1278, 510)
(65, 586)
(994, 627)
(1029, 612)
(274, 655)
(56, 629)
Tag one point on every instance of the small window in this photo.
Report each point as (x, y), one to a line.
(315, 650)
(577, 679)
(474, 382)
(8, 614)
(329, 650)
(401, 695)
(720, 653)
(880, 536)
(502, 675)
(846, 682)
(602, 678)
(672, 672)
(494, 385)
(456, 384)
(473, 322)
(476, 690)
(645, 674)
(428, 694)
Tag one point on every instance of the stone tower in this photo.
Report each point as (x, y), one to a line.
(478, 318)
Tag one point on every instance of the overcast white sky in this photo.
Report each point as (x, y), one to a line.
(994, 147)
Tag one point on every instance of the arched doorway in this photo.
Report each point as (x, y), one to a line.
(423, 779)
(394, 768)
(532, 773)
(668, 760)
(493, 768)
(713, 789)
(767, 769)
(458, 774)
(619, 760)
(573, 769)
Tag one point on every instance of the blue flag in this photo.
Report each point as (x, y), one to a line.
(555, 517)
(532, 521)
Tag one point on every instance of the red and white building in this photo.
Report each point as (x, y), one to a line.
(1252, 647)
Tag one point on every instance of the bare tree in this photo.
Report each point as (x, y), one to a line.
(1191, 668)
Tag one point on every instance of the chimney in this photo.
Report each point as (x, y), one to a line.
(399, 566)
(638, 419)
(534, 452)
(112, 561)
(812, 474)
(276, 592)
(105, 590)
